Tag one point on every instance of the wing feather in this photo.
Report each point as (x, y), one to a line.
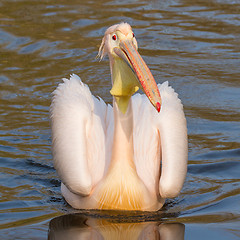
(160, 142)
(78, 125)
(172, 126)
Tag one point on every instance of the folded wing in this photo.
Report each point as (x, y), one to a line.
(160, 142)
(79, 123)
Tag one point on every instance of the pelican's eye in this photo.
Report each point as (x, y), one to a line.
(114, 37)
(133, 35)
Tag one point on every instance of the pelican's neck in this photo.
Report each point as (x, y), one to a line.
(124, 86)
(122, 151)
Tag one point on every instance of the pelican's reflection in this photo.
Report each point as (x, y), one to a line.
(78, 226)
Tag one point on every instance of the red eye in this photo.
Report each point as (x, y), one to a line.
(133, 35)
(114, 37)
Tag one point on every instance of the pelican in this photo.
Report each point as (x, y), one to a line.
(129, 156)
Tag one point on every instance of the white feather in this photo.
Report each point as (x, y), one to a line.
(78, 135)
(160, 137)
(174, 144)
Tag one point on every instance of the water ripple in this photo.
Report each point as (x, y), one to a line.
(193, 45)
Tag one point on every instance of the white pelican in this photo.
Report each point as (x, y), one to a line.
(130, 156)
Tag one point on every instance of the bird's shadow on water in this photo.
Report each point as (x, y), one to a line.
(96, 224)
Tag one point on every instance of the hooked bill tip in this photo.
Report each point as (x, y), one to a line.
(158, 106)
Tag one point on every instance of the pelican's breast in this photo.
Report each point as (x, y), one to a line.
(122, 189)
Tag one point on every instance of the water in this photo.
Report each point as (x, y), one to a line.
(192, 44)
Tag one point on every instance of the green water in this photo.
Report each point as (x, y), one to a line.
(192, 44)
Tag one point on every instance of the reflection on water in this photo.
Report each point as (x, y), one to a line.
(192, 44)
(79, 226)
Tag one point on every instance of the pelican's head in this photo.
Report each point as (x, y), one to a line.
(129, 71)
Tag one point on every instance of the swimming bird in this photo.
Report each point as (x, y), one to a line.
(129, 156)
